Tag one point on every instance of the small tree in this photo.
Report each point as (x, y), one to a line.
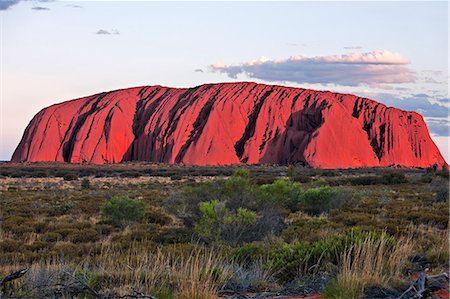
(121, 211)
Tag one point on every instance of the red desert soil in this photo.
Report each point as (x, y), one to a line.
(228, 123)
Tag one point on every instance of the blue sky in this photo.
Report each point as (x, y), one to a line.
(393, 52)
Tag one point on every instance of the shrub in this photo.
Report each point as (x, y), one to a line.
(377, 260)
(9, 245)
(319, 200)
(290, 261)
(121, 211)
(83, 236)
(97, 280)
(176, 177)
(444, 171)
(51, 237)
(393, 177)
(236, 196)
(157, 216)
(284, 192)
(296, 175)
(85, 183)
(241, 173)
(219, 223)
(37, 246)
(12, 189)
(130, 174)
(248, 253)
(235, 192)
(441, 187)
(174, 235)
(70, 177)
(252, 277)
(365, 180)
(305, 229)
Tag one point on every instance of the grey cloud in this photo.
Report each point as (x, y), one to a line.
(438, 126)
(433, 72)
(40, 8)
(198, 71)
(296, 45)
(107, 32)
(353, 47)
(419, 103)
(375, 68)
(435, 114)
(74, 6)
(5, 4)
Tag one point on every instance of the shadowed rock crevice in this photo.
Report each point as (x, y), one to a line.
(198, 126)
(70, 144)
(250, 128)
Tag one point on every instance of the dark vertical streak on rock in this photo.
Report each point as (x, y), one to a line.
(141, 117)
(198, 126)
(250, 128)
(295, 99)
(70, 144)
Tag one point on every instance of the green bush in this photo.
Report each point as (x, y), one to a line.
(290, 261)
(248, 253)
(305, 229)
(338, 290)
(319, 200)
(121, 211)
(218, 222)
(284, 192)
(241, 173)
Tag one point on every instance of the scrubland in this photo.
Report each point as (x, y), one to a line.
(141, 230)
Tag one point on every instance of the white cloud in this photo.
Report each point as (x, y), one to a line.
(371, 68)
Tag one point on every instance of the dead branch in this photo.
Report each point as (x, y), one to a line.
(13, 276)
(425, 285)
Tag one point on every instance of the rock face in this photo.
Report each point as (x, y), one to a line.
(228, 123)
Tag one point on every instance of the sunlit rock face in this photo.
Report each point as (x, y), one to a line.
(228, 123)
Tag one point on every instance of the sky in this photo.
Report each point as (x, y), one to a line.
(392, 52)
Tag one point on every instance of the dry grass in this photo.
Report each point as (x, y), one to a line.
(376, 261)
(196, 273)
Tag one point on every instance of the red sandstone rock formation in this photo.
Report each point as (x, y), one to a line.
(228, 123)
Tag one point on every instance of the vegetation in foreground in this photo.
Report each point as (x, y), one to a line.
(208, 232)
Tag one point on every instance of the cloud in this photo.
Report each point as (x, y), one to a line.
(5, 4)
(296, 45)
(434, 110)
(107, 32)
(40, 8)
(74, 6)
(198, 70)
(353, 47)
(438, 126)
(421, 103)
(372, 68)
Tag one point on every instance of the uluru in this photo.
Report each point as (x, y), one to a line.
(228, 123)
